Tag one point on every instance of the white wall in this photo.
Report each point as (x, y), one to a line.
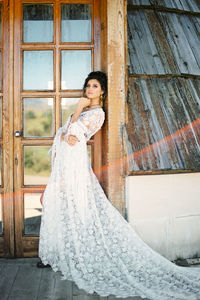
(165, 211)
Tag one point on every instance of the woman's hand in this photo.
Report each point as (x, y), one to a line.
(72, 139)
(84, 102)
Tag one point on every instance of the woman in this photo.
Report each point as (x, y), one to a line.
(84, 236)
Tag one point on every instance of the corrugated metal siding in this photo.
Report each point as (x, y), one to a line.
(163, 43)
(163, 128)
(187, 5)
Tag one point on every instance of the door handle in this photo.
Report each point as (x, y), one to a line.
(17, 133)
(16, 161)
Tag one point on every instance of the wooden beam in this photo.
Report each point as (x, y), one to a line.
(161, 8)
(116, 70)
(145, 76)
(7, 113)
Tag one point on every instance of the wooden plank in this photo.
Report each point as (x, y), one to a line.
(2, 246)
(77, 291)
(7, 127)
(8, 274)
(159, 124)
(18, 172)
(104, 51)
(183, 8)
(63, 288)
(19, 261)
(26, 283)
(46, 285)
(116, 18)
(85, 297)
(20, 279)
(127, 298)
(170, 47)
(97, 146)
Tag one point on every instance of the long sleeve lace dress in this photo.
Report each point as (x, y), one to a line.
(83, 236)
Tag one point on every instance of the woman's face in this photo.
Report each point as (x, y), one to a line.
(93, 89)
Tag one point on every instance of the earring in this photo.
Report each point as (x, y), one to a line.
(101, 100)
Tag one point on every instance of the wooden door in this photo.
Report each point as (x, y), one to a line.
(55, 45)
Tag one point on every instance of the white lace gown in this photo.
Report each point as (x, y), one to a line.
(85, 237)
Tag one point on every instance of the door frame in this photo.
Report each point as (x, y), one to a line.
(6, 189)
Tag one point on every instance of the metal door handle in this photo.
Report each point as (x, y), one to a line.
(17, 133)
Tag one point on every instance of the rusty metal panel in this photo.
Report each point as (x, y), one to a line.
(163, 42)
(188, 5)
(163, 128)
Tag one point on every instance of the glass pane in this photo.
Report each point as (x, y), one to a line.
(68, 106)
(0, 70)
(32, 213)
(0, 165)
(1, 216)
(38, 70)
(0, 117)
(37, 23)
(76, 64)
(76, 23)
(37, 165)
(38, 117)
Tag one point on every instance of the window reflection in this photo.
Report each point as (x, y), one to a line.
(38, 70)
(76, 64)
(38, 117)
(32, 213)
(1, 215)
(37, 165)
(68, 106)
(37, 23)
(76, 23)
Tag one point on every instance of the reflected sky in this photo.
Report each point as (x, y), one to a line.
(38, 70)
(37, 23)
(75, 66)
(76, 23)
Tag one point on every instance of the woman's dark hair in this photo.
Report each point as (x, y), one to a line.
(101, 77)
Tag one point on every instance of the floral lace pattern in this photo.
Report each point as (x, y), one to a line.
(83, 236)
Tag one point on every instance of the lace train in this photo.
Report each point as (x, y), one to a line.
(101, 252)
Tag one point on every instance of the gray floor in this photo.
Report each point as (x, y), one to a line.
(20, 279)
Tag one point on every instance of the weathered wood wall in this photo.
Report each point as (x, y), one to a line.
(162, 131)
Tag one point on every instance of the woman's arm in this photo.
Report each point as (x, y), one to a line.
(76, 113)
(83, 102)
